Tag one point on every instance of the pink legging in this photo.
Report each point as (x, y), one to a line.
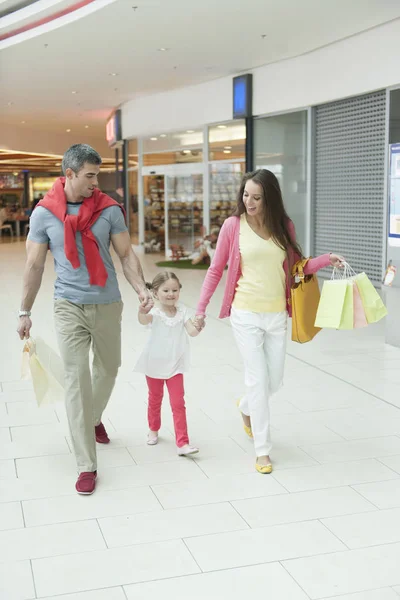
(177, 400)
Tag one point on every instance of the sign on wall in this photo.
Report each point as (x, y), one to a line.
(114, 129)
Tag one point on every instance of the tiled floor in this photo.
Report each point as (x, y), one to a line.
(325, 524)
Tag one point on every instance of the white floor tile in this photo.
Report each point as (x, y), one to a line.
(218, 489)
(393, 462)
(7, 469)
(11, 516)
(385, 494)
(154, 474)
(355, 450)
(115, 593)
(301, 506)
(233, 584)
(382, 594)
(102, 504)
(28, 413)
(165, 450)
(107, 568)
(16, 582)
(34, 448)
(368, 529)
(266, 544)
(50, 540)
(347, 572)
(333, 475)
(170, 524)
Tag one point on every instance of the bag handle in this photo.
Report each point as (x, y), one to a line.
(298, 268)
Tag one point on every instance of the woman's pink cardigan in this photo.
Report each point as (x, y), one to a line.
(227, 252)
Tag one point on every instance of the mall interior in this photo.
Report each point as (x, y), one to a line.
(181, 99)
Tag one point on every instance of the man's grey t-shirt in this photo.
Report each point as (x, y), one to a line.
(73, 284)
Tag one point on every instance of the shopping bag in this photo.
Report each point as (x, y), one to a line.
(45, 368)
(335, 309)
(305, 297)
(360, 320)
(374, 308)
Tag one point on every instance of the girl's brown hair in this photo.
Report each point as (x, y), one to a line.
(161, 278)
(276, 219)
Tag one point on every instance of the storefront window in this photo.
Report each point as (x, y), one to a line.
(225, 181)
(227, 141)
(179, 157)
(280, 145)
(181, 140)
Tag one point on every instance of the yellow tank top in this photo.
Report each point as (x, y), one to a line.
(262, 285)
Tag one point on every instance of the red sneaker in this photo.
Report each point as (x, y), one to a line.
(101, 434)
(86, 483)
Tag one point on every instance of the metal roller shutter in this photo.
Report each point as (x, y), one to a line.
(349, 159)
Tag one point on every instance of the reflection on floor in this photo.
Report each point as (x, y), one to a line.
(325, 524)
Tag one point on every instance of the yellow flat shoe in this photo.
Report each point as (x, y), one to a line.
(264, 469)
(245, 427)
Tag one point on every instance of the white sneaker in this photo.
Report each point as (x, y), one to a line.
(152, 441)
(187, 450)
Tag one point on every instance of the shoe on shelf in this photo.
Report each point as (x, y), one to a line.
(186, 450)
(152, 438)
(247, 428)
(101, 434)
(264, 469)
(86, 483)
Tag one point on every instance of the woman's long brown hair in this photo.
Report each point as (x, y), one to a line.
(276, 219)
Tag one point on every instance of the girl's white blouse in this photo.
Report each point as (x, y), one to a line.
(167, 350)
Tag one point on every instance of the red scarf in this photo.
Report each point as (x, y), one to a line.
(90, 210)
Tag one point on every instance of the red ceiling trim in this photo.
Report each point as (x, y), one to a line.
(47, 19)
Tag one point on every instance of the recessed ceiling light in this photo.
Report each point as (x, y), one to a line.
(113, 74)
(189, 130)
(227, 152)
(23, 122)
(228, 147)
(67, 130)
(163, 135)
(153, 139)
(10, 103)
(221, 126)
(86, 126)
(163, 49)
(74, 92)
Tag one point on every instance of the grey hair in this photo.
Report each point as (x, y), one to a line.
(77, 155)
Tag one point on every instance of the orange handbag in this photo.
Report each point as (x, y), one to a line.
(305, 297)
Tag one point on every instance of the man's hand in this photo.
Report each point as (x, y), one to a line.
(146, 301)
(24, 327)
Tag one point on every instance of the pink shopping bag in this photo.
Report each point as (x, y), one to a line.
(360, 320)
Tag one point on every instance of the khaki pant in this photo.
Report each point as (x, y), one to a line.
(80, 327)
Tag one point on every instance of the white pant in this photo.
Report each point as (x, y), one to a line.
(261, 339)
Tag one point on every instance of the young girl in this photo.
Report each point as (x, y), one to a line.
(166, 357)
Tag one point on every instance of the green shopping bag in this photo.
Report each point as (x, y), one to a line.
(374, 308)
(336, 307)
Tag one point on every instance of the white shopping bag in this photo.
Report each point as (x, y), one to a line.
(45, 368)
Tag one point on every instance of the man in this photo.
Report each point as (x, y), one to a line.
(76, 222)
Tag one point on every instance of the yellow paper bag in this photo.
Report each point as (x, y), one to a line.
(335, 310)
(374, 308)
(45, 368)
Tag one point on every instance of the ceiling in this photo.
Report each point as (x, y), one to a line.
(45, 163)
(73, 76)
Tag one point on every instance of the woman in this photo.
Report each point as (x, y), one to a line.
(259, 244)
